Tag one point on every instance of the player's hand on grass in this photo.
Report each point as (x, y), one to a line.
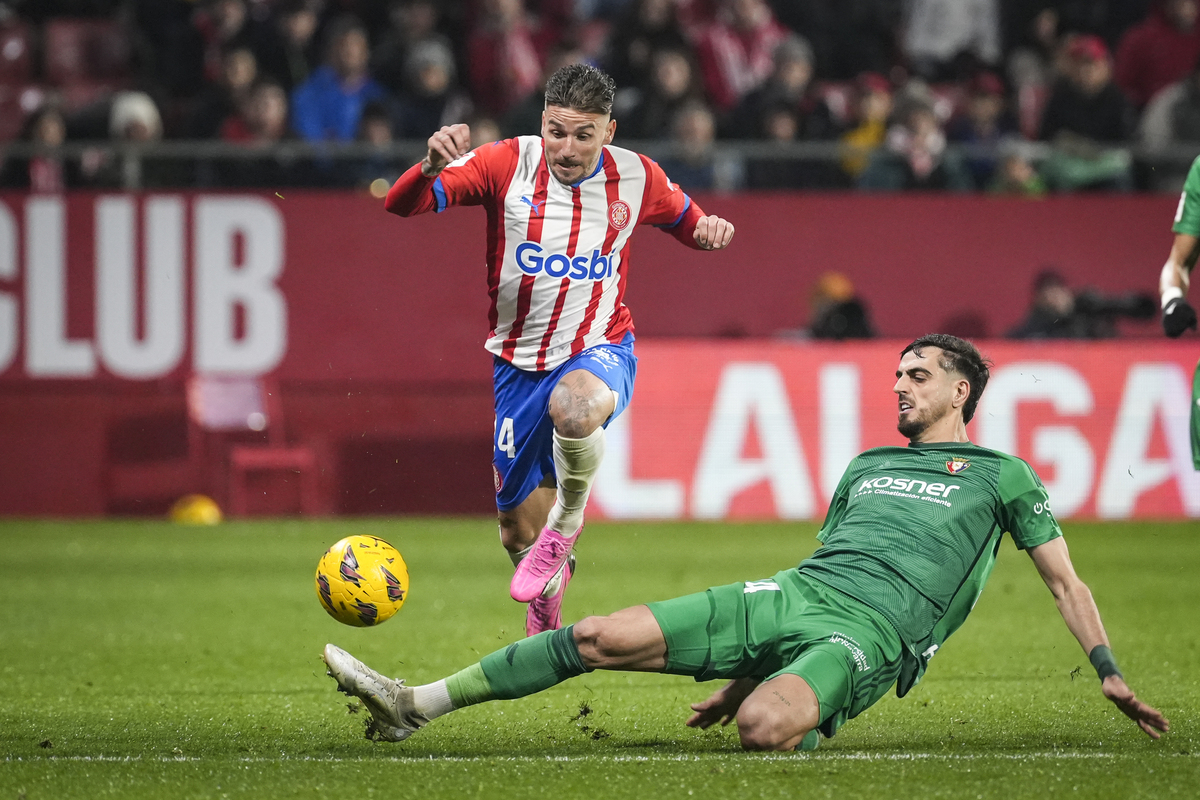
(1148, 718)
(712, 232)
(446, 145)
(722, 706)
(1178, 317)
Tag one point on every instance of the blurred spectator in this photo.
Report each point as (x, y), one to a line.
(262, 123)
(1086, 102)
(239, 69)
(837, 312)
(483, 131)
(195, 57)
(375, 129)
(1085, 116)
(947, 39)
(646, 27)
(1159, 51)
(413, 23)
(287, 49)
(505, 67)
(262, 116)
(985, 122)
(431, 96)
(693, 131)
(848, 38)
(1016, 174)
(914, 155)
(46, 171)
(736, 53)
(1172, 118)
(872, 110)
(1032, 60)
(329, 104)
(525, 118)
(790, 86)
(133, 118)
(1056, 312)
(673, 83)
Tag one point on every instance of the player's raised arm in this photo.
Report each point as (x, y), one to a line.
(1078, 609)
(1178, 315)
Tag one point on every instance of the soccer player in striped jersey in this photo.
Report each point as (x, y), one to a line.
(560, 210)
(1178, 315)
(910, 539)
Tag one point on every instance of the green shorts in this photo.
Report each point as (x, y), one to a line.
(845, 651)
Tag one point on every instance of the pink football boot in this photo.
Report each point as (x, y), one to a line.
(545, 613)
(549, 553)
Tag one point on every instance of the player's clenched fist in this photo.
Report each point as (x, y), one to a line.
(712, 232)
(446, 145)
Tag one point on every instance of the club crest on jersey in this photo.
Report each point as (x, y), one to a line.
(957, 465)
(618, 214)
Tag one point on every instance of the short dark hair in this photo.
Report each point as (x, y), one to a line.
(962, 357)
(581, 87)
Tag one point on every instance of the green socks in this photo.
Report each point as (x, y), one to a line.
(521, 669)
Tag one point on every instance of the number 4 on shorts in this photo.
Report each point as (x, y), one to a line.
(505, 441)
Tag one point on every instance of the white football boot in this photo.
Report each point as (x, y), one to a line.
(394, 716)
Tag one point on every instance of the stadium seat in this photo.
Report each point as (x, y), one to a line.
(16, 54)
(86, 50)
(235, 404)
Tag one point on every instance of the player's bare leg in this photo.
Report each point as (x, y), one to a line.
(579, 406)
(519, 529)
(779, 714)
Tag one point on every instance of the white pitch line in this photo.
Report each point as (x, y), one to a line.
(825, 756)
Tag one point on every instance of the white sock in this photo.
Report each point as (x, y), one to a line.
(575, 464)
(432, 699)
(519, 556)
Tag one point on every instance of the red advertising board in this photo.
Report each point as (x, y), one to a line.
(765, 429)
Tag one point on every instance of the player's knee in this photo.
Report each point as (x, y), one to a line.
(596, 638)
(575, 414)
(761, 729)
(515, 533)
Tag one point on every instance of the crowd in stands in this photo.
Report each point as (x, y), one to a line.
(908, 94)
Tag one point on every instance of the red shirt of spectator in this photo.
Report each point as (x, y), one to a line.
(736, 53)
(1158, 51)
(505, 66)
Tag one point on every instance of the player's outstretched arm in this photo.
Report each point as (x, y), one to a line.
(445, 146)
(1078, 609)
(722, 706)
(713, 232)
(1178, 315)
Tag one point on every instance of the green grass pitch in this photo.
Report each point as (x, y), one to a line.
(144, 659)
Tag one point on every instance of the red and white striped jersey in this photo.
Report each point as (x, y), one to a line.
(557, 256)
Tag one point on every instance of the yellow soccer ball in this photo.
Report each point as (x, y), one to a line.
(362, 581)
(195, 509)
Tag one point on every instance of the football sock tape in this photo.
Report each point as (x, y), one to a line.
(531, 665)
(576, 462)
(468, 687)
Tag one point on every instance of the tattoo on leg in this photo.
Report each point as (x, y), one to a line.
(782, 699)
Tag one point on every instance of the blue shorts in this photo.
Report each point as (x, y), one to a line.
(524, 435)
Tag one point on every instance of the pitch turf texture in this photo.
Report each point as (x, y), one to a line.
(144, 659)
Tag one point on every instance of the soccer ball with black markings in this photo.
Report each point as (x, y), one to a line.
(362, 581)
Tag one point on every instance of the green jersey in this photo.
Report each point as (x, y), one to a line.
(913, 532)
(1187, 213)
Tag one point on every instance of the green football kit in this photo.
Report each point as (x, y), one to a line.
(1187, 221)
(911, 536)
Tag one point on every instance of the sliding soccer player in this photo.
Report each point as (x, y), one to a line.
(910, 539)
